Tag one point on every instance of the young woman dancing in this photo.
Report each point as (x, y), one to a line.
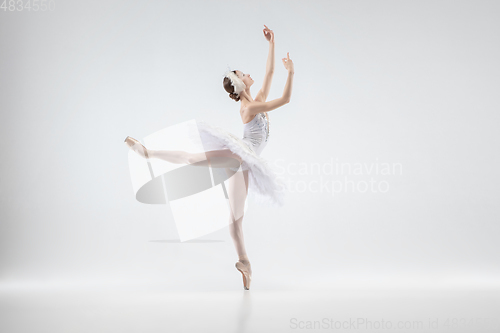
(256, 174)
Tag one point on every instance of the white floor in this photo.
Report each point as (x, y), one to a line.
(155, 309)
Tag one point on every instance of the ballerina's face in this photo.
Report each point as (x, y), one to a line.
(247, 80)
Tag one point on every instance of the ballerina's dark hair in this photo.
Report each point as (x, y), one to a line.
(228, 86)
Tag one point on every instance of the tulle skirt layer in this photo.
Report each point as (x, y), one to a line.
(264, 184)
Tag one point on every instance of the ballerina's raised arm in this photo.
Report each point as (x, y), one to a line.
(268, 77)
(256, 107)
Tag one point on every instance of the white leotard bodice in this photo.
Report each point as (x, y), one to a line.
(256, 133)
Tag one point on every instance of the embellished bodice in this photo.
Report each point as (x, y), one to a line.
(256, 133)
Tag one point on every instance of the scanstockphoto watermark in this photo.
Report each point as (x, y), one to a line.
(354, 324)
(337, 176)
(360, 323)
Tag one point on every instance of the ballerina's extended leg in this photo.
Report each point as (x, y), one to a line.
(222, 157)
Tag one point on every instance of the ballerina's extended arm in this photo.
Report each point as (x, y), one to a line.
(256, 107)
(268, 78)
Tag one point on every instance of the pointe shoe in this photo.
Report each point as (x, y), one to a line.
(245, 272)
(136, 146)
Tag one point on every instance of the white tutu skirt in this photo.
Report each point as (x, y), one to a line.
(264, 185)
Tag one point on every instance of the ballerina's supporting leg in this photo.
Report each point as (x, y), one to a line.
(237, 192)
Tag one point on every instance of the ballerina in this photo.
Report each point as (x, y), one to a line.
(256, 174)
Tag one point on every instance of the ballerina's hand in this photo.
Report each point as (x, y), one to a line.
(288, 63)
(269, 34)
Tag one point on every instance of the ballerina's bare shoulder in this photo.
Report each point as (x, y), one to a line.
(247, 117)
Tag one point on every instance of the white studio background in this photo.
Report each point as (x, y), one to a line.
(409, 84)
